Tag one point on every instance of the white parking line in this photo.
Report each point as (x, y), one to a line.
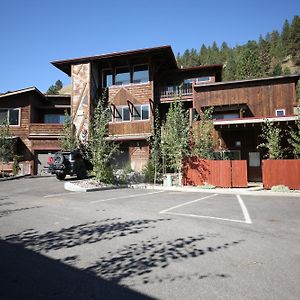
(247, 219)
(244, 209)
(124, 197)
(60, 194)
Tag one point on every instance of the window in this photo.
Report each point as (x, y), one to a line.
(118, 114)
(126, 113)
(137, 113)
(140, 74)
(10, 115)
(122, 76)
(107, 78)
(54, 119)
(202, 79)
(145, 112)
(280, 112)
(220, 116)
(227, 154)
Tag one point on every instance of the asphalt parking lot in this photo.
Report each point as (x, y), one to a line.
(145, 244)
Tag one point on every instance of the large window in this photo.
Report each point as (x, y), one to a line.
(54, 119)
(125, 75)
(122, 76)
(140, 74)
(137, 113)
(12, 116)
(107, 78)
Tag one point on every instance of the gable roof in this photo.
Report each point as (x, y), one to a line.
(163, 52)
(25, 90)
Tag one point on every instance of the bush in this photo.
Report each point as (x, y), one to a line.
(206, 186)
(280, 188)
(149, 172)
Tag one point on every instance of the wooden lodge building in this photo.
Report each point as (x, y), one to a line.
(138, 81)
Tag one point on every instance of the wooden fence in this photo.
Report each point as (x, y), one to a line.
(281, 172)
(221, 173)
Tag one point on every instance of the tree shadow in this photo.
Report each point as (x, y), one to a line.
(28, 275)
(87, 233)
(7, 212)
(140, 259)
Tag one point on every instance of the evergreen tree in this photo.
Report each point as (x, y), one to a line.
(54, 89)
(294, 139)
(285, 37)
(294, 45)
(248, 64)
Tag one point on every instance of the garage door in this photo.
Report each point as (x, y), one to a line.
(41, 158)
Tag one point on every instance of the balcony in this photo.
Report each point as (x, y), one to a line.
(168, 93)
(44, 130)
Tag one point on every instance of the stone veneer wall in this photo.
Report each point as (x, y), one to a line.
(80, 101)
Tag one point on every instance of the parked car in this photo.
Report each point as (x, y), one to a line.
(69, 163)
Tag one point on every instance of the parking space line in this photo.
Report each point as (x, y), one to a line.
(187, 203)
(125, 197)
(244, 209)
(60, 194)
(246, 220)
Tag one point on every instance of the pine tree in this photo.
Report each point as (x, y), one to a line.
(294, 139)
(285, 37)
(294, 45)
(54, 89)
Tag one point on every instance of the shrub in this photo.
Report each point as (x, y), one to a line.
(280, 188)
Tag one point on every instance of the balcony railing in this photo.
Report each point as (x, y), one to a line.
(43, 130)
(171, 91)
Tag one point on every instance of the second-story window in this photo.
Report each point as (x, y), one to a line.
(140, 74)
(54, 119)
(107, 78)
(12, 116)
(126, 113)
(122, 76)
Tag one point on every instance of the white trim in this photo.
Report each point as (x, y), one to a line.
(18, 92)
(254, 120)
(19, 116)
(280, 109)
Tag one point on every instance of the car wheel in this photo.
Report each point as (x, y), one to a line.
(61, 176)
(58, 159)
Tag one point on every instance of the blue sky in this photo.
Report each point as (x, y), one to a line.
(35, 32)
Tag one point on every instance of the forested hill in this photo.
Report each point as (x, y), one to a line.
(277, 53)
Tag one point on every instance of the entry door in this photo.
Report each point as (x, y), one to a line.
(254, 166)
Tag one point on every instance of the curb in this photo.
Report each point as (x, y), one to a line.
(70, 186)
(219, 191)
(14, 177)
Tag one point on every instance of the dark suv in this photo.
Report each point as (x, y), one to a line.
(69, 163)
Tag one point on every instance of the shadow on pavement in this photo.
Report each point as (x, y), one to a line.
(28, 275)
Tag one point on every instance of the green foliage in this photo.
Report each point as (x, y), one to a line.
(155, 147)
(175, 136)
(294, 40)
(294, 139)
(150, 173)
(6, 143)
(272, 140)
(280, 188)
(68, 140)
(256, 58)
(55, 88)
(203, 136)
(102, 149)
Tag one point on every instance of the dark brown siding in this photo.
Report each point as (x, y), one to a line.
(262, 98)
(130, 127)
